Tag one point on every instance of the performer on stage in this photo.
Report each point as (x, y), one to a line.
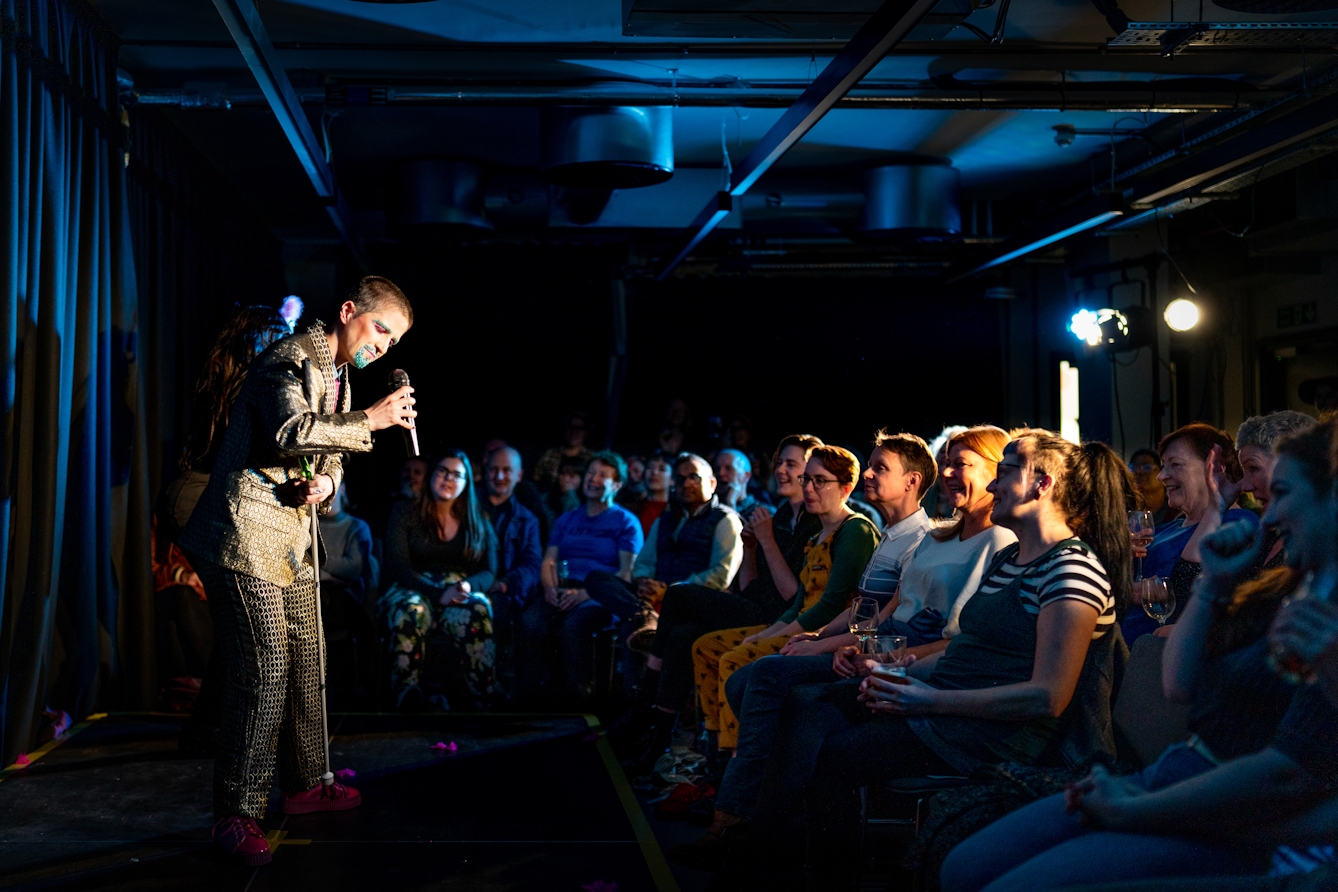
(249, 540)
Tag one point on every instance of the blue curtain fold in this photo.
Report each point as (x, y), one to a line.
(76, 619)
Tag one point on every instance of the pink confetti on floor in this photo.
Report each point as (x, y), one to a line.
(600, 886)
(345, 774)
(447, 747)
(23, 760)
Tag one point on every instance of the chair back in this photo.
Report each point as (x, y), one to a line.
(1146, 722)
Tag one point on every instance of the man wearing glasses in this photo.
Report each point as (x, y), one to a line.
(695, 541)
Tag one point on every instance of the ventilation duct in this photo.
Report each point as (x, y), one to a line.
(607, 148)
(913, 202)
(435, 193)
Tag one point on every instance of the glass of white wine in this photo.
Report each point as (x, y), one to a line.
(863, 620)
(887, 651)
(1158, 598)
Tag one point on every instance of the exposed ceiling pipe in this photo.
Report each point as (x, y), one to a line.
(1160, 96)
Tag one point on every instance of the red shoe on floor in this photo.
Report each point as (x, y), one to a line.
(335, 797)
(242, 839)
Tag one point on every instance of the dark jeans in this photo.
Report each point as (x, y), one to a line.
(1041, 846)
(756, 693)
(614, 595)
(826, 744)
(689, 612)
(554, 648)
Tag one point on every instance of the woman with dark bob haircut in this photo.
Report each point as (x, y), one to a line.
(441, 556)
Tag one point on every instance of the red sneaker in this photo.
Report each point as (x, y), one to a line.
(335, 797)
(242, 839)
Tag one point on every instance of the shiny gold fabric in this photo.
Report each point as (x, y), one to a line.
(239, 522)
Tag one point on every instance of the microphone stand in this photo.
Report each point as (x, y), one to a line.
(308, 471)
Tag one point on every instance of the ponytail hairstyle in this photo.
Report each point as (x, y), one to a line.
(988, 442)
(475, 527)
(1094, 491)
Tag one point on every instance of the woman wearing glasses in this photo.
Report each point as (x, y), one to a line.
(834, 560)
(441, 556)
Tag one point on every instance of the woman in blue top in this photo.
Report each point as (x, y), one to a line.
(1202, 475)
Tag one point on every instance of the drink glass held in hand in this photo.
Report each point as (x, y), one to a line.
(863, 620)
(887, 651)
(1292, 667)
(1142, 525)
(1158, 599)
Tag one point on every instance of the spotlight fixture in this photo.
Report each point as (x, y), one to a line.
(1181, 314)
(1098, 327)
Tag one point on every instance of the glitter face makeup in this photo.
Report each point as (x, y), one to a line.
(364, 356)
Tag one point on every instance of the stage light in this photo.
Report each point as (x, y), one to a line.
(1085, 327)
(1181, 314)
(1103, 326)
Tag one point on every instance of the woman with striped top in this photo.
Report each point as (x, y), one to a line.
(1027, 678)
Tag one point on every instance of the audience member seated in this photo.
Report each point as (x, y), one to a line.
(677, 428)
(518, 555)
(1201, 472)
(349, 576)
(695, 542)
(600, 537)
(659, 487)
(735, 472)
(441, 558)
(767, 584)
(834, 561)
(739, 435)
(413, 474)
(922, 580)
(1255, 442)
(1037, 640)
(633, 492)
(564, 494)
(938, 504)
(1263, 750)
(575, 430)
(1145, 464)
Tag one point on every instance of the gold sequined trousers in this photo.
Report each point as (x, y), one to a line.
(270, 703)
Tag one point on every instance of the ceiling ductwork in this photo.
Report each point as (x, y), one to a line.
(607, 148)
(917, 201)
(435, 194)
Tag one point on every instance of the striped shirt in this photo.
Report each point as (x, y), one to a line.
(1068, 572)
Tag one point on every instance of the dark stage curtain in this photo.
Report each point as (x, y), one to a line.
(75, 594)
(199, 254)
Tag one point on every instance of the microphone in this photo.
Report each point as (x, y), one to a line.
(400, 378)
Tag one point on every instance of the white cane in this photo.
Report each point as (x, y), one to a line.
(309, 374)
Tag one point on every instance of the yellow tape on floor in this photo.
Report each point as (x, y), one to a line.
(50, 745)
(645, 836)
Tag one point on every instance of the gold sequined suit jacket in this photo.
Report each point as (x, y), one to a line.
(240, 523)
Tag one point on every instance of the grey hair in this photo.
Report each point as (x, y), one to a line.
(740, 460)
(936, 445)
(1264, 431)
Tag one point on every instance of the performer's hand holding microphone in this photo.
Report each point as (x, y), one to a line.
(396, 408)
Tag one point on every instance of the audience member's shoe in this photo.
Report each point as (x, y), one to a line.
(709, 852)
(334, 797)
(242, 839)
(701, 812)
(643, 627)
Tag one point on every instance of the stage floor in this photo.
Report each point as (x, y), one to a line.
(523, 802)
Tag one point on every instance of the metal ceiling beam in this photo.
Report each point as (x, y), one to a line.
(884, 30)
(248, 32)
(1159, 96)
(1195, 174)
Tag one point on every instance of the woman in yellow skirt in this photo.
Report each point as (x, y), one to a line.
(834, 560)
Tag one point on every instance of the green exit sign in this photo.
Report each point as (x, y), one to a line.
(1293, 315)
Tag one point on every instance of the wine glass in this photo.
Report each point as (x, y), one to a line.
(1158, 599)
(1142, 525)
(886, 651)
(863, 620)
